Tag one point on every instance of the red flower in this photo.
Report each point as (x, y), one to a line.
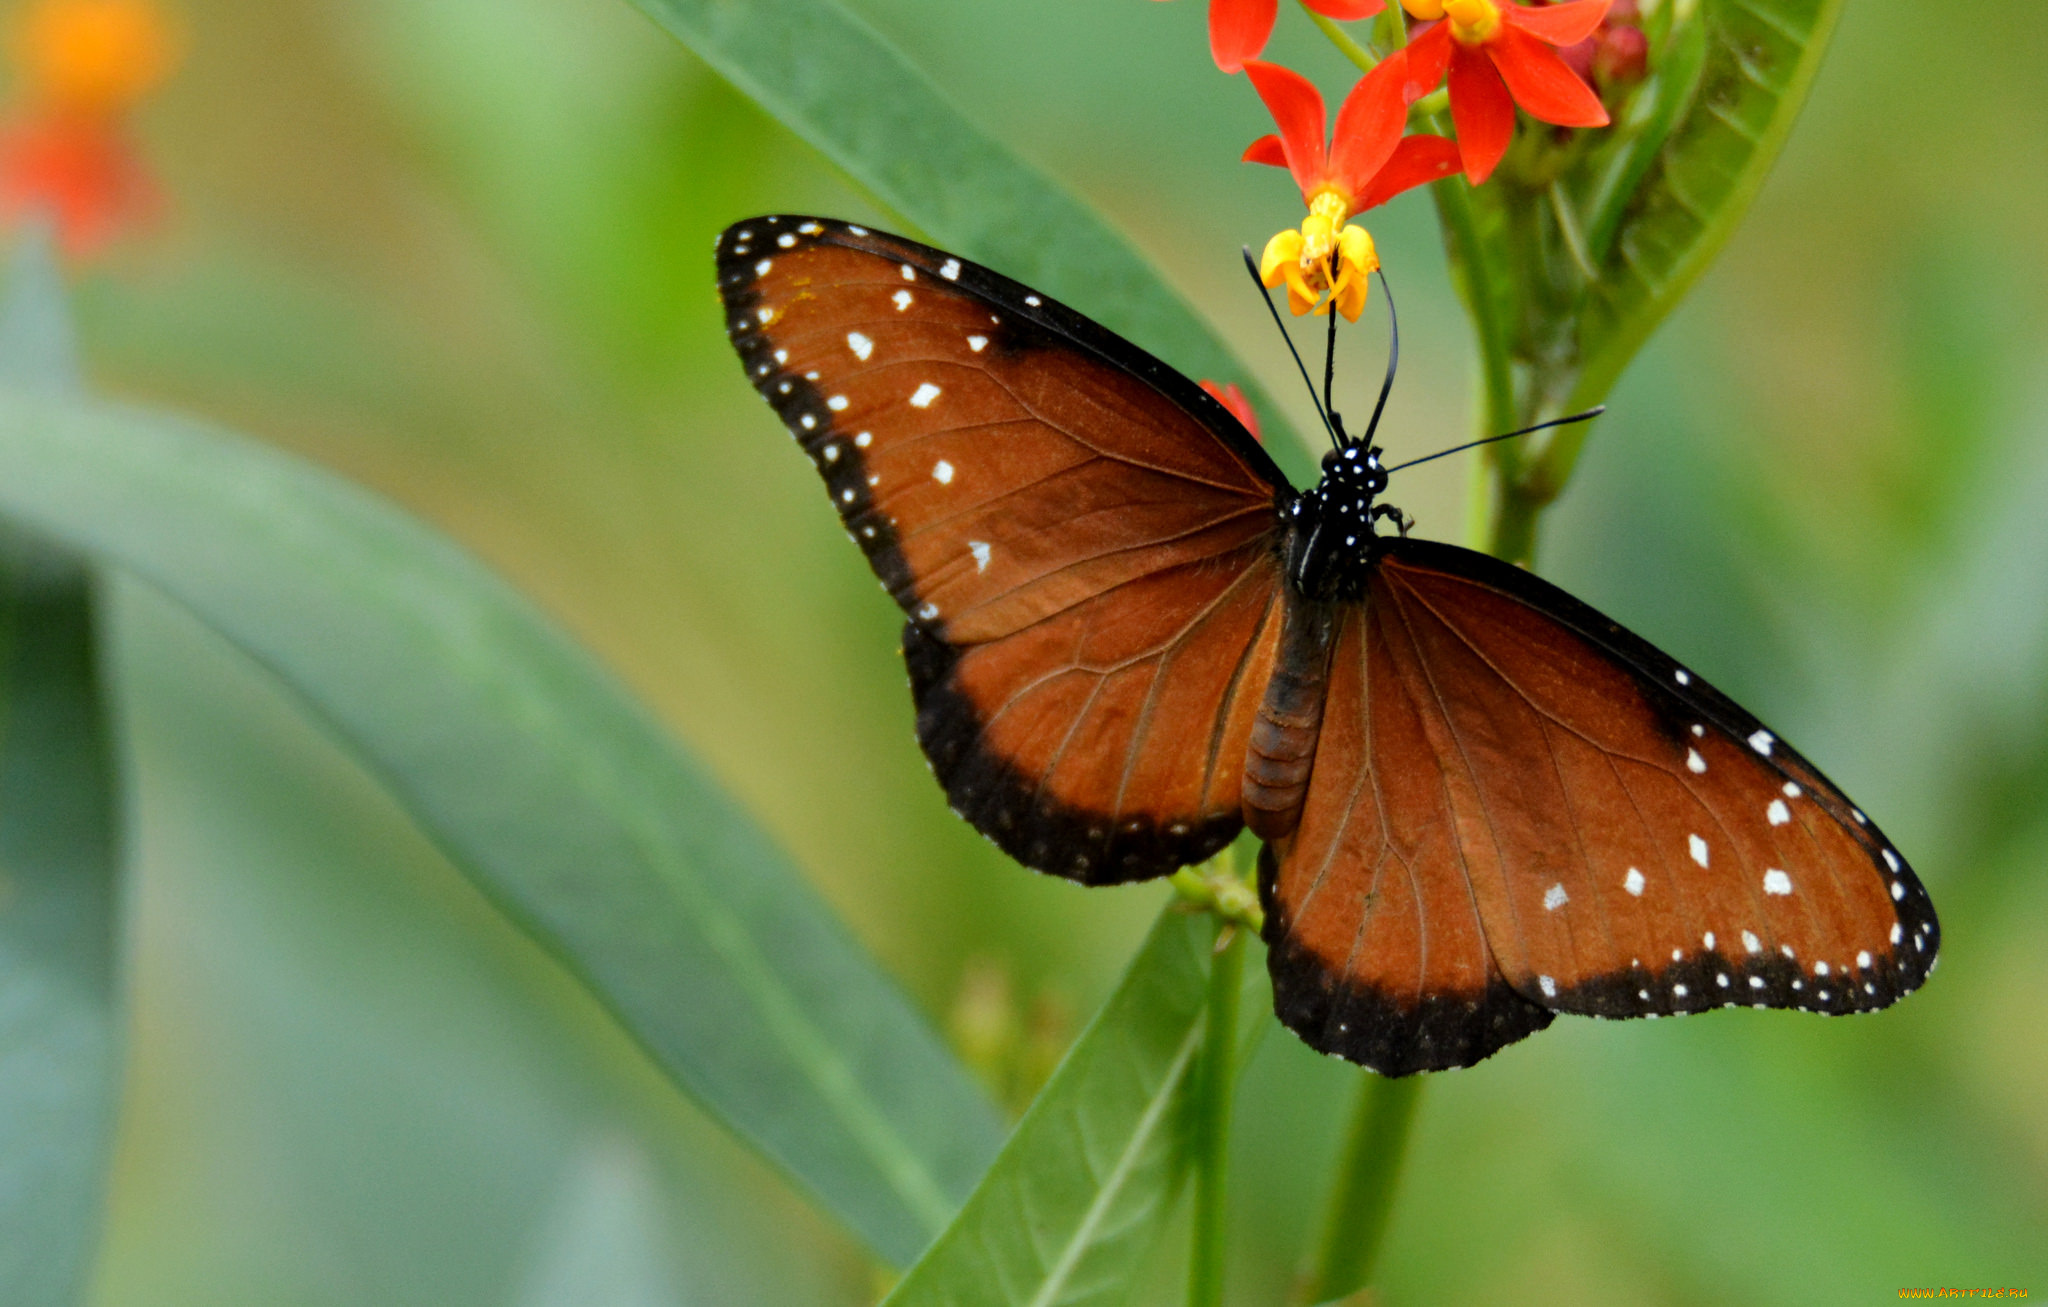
(82, 66)
(1240, 408)
(1366, 163)
(1238, 28)
(84, 178)
(1498, 54)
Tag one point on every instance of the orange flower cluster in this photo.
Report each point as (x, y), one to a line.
(1492, 56)
(81, 68)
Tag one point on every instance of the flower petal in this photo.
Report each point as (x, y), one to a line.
(1240, 408)
(1238, 30)
(1482, 111)
(1346, 11)
(1426, 57)
(1369, 126)
(1543, 83)
(1297, 109)
(1417, 159)
(1267, 149)
(1565, 24)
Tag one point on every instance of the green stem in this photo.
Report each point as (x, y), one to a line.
(1366, 1177)
(1215, 1075)
(1351, 49)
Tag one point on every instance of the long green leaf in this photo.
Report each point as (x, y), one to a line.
(60, 1009)
(836, 83)
(1083, 1189)
(60, 1013)
(553, 790)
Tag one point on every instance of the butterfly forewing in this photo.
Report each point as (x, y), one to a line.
(1083, 541)
(1629, 842)
(1673, 855)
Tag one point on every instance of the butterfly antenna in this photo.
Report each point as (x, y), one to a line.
(1393, 362)
(1586, 416)
(1251, 266)
(1330, 375)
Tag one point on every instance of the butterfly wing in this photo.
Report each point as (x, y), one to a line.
(1083, 540)
(1551, 815)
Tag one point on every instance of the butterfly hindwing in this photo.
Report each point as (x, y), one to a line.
(1377, 949)
(1083, 541)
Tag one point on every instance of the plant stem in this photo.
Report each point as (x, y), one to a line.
(1351, 49)
(1366, 1176)
(1215, 1076)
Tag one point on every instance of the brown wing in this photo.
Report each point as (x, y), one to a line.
(1590, 828)
(1083, 540)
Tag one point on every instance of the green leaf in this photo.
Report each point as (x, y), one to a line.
(837, 84)
(60, 1007)
(60, 1012)
(1068, 1213)
(1576, 249)
(547, 784)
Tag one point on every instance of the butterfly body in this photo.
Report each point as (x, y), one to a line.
(1129, 638)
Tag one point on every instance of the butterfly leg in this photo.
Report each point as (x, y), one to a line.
(1401, 519)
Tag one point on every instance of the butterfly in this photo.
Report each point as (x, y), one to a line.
(1130, 638)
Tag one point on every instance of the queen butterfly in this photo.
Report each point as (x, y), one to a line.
(1129, 638)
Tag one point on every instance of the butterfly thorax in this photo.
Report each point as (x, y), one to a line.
(1331, 536)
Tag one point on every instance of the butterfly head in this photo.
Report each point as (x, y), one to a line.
(1331, 529)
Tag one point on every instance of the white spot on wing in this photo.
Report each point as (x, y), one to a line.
(942, 472)
(909, 273)
(785, 240)
(950, 270)
(1791, 790)
(864, 439)
(1033, 301)
(928, 612)
(1778, 812)
(980, 550)
(1777, 882)
(761, 268)
(1698, 847)
(902, 299)
(1891, 859)
(1863, 960)
(1751, 942)
(977, 343)
(860, 345)
(837, 403)
(1694, 763)
(1555, 898)
(1898, 890)
(1549, 986)
(1633, 882)
(858, 231)
(1762, 742)
(926, 393)
(1684, 678)
(766, 315)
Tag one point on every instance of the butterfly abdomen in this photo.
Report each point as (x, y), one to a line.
(1282, 750)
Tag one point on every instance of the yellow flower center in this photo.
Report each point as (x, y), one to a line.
(1325, 262)
(93, 57)
(1473, 22)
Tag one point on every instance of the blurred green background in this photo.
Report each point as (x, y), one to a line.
(460, 251)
